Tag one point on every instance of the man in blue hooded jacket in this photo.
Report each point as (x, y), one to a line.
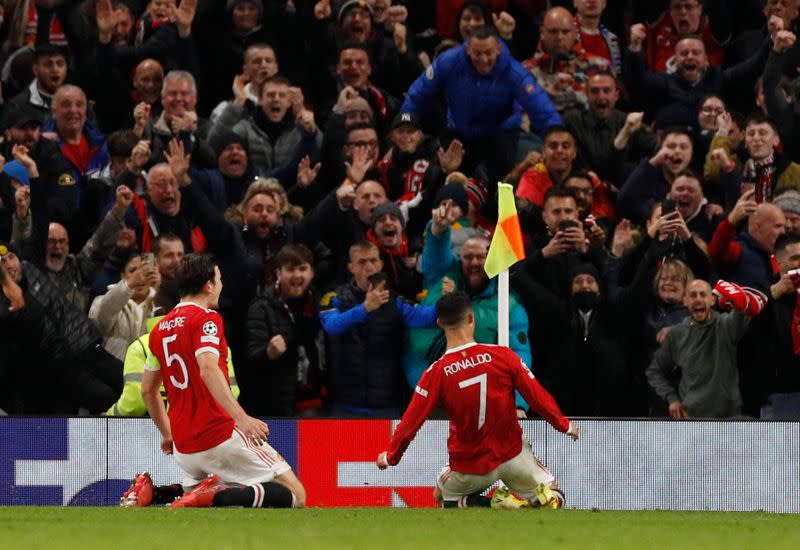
(485, 89)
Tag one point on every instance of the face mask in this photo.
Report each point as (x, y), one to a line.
(586, 300)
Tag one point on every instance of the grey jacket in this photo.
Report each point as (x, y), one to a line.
(263, 155)
(705, 354)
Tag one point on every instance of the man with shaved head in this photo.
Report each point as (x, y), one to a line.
(746, 258)
(702, 348)
(561, 65)
(147, 81)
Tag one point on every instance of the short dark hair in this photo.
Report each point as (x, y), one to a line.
(452, 309)
(155, 245)
(558, 129)
(258, 46)
(353, 45)
(760, 118)
(691, 174)
(292, 255)
(676, 130)
(558, 192)
(579, 174)
(785, 240)
(483, 32)
(194, 271)
(738, 119)
(50, 50)
(121, 143)
(277, 79)
(359, 126)
(709, 96)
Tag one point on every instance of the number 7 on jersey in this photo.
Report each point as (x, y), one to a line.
(481, 381)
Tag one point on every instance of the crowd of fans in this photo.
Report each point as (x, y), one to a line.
(340, 159)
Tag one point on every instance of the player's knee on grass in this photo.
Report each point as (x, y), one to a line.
(290, 481)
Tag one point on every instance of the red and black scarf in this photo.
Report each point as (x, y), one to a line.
(765, 178)
(412, 178)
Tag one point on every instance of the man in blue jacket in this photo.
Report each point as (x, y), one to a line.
(485, 88)
(366, 324)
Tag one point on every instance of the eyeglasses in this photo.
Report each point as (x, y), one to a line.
(712, 110)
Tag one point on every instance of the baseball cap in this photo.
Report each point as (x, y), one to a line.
(406, 117)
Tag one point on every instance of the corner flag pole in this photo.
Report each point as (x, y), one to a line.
(502, 308)
(506, 249)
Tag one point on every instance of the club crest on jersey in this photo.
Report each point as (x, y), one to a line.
(210, 328)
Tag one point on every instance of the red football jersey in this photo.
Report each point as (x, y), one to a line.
(197, 420)
(475, 384)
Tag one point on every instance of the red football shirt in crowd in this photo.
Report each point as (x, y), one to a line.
(197, 420)
(475, 384)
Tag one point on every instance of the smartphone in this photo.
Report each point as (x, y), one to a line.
(563, 225)
(149, 258)
(668, 207)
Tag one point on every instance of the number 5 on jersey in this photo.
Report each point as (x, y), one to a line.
(172, 357)
(481, 381)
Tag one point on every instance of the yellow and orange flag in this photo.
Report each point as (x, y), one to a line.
(507, 247)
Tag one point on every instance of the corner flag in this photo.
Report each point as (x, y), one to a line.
(506, 248)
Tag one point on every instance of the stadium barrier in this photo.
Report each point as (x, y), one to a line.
(617, 465)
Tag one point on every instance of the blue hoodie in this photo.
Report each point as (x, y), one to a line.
(480, 106)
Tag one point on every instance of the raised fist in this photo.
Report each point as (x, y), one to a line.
(505, 24)
(720, 157)
(731, 296)
(638, 34)
(633, 122)
(322, 9)
(783, 41)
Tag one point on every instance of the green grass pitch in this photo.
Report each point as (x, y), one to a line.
(381, 528)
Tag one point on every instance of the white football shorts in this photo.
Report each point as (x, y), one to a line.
(521, 475)
(236, 461)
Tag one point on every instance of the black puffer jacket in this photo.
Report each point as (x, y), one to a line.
(275, 382)
(365, 363)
